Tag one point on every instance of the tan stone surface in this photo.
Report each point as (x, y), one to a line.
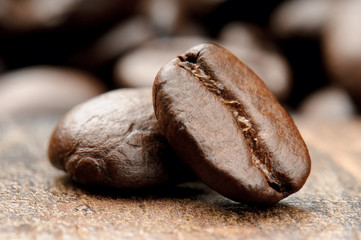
(40, 202)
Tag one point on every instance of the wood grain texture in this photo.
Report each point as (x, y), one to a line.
(40, 202)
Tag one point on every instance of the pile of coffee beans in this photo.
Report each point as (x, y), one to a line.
(212, 118)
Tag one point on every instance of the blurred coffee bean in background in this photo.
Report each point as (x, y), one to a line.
(297, 26)
(44, 89)
(139, 67)
(165, 16)
(42, 41)
(298, 47)
(34, 14)
(301, 18)
(27, 15)
(119, 39)
(328, 104)
(342, 47)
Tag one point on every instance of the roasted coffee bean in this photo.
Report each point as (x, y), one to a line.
(113, 140)
(224, 123)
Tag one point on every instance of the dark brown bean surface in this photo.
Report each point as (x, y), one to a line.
(221, 119)
(114, 140)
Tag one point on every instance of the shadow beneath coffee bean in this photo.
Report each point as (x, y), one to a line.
(244, 208)
(192, 195)
(188, 190)
(281, 216)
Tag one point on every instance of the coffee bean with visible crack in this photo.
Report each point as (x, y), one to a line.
(114, 140)
(225, 124)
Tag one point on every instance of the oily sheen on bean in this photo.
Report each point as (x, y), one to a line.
(224, 123)
(114, 140)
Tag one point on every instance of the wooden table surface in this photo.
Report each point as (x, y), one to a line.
(41, 202)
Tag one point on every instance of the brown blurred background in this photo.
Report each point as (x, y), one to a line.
(55, 54)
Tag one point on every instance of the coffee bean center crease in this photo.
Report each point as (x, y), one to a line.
(259, 153)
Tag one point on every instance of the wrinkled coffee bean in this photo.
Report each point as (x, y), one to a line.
(113, 140)
(224, 123)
